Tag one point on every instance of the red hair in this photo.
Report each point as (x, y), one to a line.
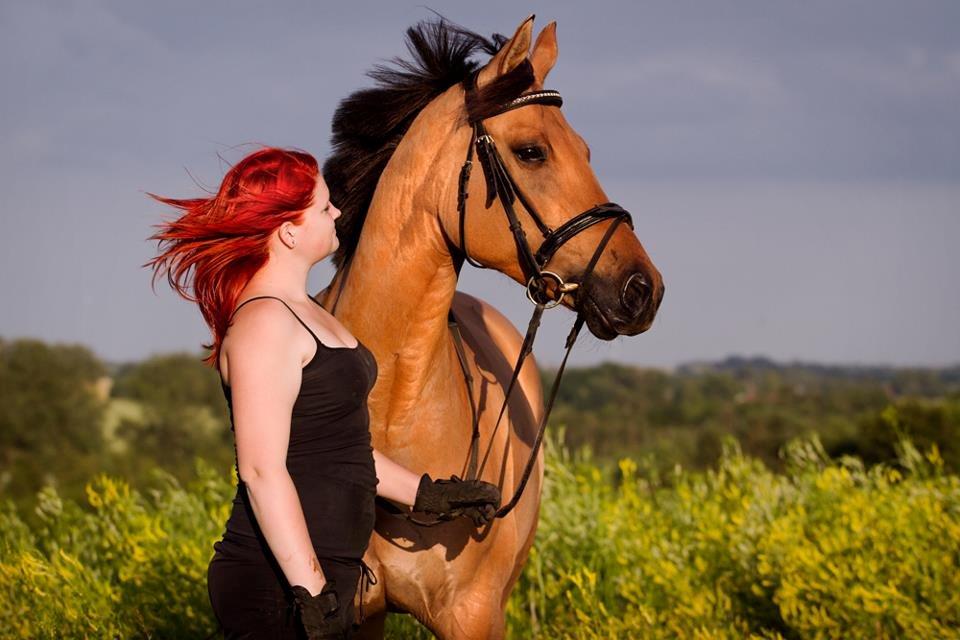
(211, 251)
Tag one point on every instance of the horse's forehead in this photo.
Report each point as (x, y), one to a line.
(535, 121)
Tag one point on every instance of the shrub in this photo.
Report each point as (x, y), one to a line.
(129, 566)
(830, 549)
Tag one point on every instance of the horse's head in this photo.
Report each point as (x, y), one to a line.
(549, 163)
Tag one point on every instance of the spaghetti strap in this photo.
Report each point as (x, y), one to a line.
(309, 330)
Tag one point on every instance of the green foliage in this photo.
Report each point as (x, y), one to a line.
(829, 550)
(682, 417)
(832, 550)
(170, 380)
(828, 547)
(59, 424)
(926, 422)
(126, 565)
(169, 408)
(867, 554)
(50, 415)
(181, 413)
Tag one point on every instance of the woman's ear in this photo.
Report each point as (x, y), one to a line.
(287, 235)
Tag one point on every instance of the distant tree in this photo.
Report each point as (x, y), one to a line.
(184, 413)
(681, 417)
(171, 379)
(50, 414)
(924, 421)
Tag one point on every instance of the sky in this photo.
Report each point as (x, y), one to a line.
(793, 169)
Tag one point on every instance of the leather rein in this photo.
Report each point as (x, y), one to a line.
(545, 289)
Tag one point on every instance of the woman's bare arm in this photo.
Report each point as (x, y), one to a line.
(264, 365)
(396, 482)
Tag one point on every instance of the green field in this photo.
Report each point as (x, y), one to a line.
(827, 550)
(708, 508)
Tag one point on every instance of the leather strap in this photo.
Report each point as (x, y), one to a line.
(500, 185)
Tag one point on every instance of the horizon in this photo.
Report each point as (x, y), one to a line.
(750, 360)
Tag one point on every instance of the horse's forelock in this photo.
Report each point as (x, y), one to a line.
(489, 100)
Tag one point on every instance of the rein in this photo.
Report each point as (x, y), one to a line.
(545, 289)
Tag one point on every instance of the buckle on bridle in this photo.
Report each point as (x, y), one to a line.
(536, 286)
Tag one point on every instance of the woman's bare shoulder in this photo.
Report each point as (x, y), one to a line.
(262, 331)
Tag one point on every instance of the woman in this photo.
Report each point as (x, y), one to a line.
(296, 383)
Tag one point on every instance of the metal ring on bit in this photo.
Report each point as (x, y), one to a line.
(562, 287)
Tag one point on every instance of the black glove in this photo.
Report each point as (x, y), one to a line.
(321, 615)
(476, 499)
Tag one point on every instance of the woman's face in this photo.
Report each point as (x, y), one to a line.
(316, 230)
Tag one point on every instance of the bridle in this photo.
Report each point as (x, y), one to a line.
(501, 185)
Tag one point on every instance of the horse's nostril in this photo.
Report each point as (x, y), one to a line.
(635, 294)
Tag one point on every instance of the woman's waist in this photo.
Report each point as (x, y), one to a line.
(311, 475)
(352, 467)
(328, 444)
(239, 546)
(339, 515)
(335, 414)
(329, 447)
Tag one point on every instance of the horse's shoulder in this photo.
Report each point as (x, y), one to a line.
(475, 315)
(485, 329)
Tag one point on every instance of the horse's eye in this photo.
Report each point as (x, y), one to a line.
(530, 153)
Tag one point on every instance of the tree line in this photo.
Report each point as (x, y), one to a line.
(65, 415)
(682, 417)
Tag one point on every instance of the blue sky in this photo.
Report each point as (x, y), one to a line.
(792, 168)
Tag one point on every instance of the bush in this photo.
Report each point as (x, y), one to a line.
(51, 409)
(829, 550)
(181, 413)
(128, 566)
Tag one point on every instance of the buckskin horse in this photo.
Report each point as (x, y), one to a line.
(413, 213)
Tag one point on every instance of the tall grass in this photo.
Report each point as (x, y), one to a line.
(828, 550)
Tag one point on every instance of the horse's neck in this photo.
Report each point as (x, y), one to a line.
(398, 292)
(402, 278)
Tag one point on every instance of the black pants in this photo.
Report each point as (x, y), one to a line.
(252, 600)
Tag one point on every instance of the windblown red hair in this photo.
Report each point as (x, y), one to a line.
(211, 251)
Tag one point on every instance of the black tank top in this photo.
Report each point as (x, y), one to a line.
(329, 456)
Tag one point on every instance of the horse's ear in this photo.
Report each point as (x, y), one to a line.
(544, 54)
(513, 52)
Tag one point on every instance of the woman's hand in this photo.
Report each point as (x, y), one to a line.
(476, 499)
(321, 615)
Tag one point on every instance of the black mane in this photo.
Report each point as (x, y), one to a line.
(368, 124)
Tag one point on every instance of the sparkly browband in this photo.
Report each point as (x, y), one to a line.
(547, 97)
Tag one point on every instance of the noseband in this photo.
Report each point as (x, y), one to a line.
(501, 185)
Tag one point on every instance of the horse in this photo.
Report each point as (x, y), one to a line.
(398, 150)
